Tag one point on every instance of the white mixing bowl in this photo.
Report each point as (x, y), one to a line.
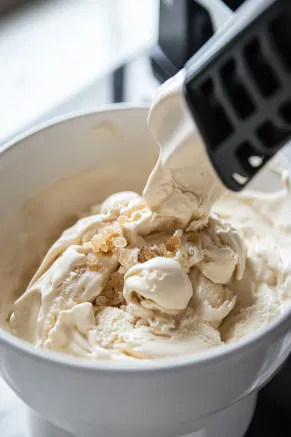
(210, 395)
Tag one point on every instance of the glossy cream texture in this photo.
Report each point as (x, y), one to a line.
(183, 182)
(177, 271)
(120, 284)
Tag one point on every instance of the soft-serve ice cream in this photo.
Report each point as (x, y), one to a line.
(176, 271)
(154, 285)
(183, 182)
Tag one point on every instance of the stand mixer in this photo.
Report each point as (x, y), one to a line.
(243, 118)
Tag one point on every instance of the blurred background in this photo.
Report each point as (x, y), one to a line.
(59, 56)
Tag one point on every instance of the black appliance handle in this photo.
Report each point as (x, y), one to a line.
(238, 89)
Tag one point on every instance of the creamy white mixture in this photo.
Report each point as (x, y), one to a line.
(174, 272)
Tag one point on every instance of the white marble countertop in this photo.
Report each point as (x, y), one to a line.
(13, 418)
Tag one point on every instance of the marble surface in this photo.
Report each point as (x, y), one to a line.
(13, 414)
(17, 420)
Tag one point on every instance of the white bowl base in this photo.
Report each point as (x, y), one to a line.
(232, 422)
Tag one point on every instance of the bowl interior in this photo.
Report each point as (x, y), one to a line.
(51, 176)
(48, 178)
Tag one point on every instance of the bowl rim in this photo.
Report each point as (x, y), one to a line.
(259, 339)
